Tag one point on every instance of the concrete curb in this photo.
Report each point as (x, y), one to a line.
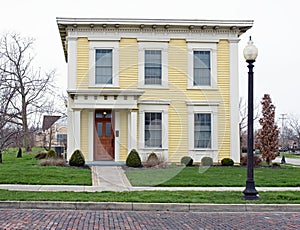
(130, 206)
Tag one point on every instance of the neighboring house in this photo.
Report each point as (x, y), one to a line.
(164, 86)
(53, 134)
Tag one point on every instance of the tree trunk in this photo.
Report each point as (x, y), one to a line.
(27, 141)
(0, 156)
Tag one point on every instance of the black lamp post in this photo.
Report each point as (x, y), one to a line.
(250, 54)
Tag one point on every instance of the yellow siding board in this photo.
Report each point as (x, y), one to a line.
(82, 63)
(123, 135)
(128, 75)
(84, 134)
(224, 91)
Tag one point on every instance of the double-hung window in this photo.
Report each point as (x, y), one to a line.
(153, 130)
(202, 65)
(104, 64)
(153, 64)
(202, 130)
(153, 67)
(202, 68)
(103, 67)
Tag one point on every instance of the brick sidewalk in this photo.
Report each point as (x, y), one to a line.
(67, 219)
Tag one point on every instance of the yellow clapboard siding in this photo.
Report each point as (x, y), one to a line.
(128, 75)
(82, 63)
(84, 134)
(178, 116)
(123, 135)
(224, 91)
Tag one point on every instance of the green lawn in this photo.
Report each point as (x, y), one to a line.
(287, 197)
(286, 176)
(290, 155)
(25, 170)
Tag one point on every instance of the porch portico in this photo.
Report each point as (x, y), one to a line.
(96, 121)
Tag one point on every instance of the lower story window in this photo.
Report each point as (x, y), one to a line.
(153, 130)
(202, 130)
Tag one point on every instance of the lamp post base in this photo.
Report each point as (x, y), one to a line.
(250, 193)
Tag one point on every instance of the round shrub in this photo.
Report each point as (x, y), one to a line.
(227, 162)
(206, 161)
(133, 159)
(77, 159)
(187, 161)
(152, 160)
(51, 154)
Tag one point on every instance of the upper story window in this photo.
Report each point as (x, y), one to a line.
(202, 68)
(153, 64)
(104, 64)
(202, 65)
(153, 70)
(103, 71)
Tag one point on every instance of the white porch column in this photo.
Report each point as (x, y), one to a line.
(132, 130)
(70, 137)
(76, 127)
(234, 102)
(91, 136)
(117, 135)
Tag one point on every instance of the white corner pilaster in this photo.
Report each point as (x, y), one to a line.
(70, 136)
(72, 62)
(234, 102)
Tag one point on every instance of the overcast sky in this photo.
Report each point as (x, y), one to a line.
(275, 33)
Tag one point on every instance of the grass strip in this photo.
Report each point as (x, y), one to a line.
(226, 197)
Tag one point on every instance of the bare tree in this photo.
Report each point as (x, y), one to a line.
(243, 107)
(294, 127)
(29, 86)
(267, 137)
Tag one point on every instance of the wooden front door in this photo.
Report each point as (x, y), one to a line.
(104, 136)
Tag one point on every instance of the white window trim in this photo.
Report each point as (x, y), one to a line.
(212, 47)
(199, 107)
(163, 46)
(153, 108)
(93, 46)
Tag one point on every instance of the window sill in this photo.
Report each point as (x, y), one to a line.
(202, 88)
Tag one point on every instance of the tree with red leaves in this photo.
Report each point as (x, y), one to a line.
(267, 137)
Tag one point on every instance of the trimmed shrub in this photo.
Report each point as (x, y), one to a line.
(152, 160)
(227, 162)
(40, 156)
(187, 161)
(53, 162)
(256, 161)
(133, 159)
(275, 165)
(51, 154)
(206, 161)
(77, 159)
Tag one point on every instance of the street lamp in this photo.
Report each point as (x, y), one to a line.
(250, 54)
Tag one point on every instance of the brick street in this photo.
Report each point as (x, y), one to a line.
(68, 219)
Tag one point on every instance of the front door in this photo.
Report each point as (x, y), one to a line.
(104, 136)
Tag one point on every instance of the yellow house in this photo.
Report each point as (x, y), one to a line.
(167, 86)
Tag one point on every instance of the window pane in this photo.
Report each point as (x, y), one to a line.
(153, 130)
(202, 68)
(202, 130)
(103, 67)
(99, 129)
(153, 68)
(108, 129)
